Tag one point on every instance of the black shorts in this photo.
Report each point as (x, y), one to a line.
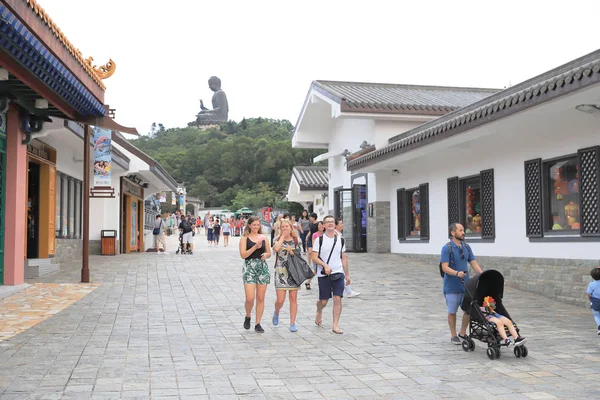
(309, 241)
(327, 286)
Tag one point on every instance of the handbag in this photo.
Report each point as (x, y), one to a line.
(298, 269)
(156, 231)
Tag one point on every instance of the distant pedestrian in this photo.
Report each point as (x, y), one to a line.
(255, 249)
(210, 235)
(313, 227)
(216, 232)
(226, 227)
(187, 235)
(454, 258)
(332, 269)
(593, 295)
(159, 234)
(304, 223)
(286, 243)
(206, 221)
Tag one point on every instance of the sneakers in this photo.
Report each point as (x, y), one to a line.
(520, 341)
(275, 319)
(259, 328)
(508, 343)
(247, 323)
(455, 340)
(463, 338)
(293, 328)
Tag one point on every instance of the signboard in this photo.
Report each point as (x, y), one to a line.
(132, 188)
(102, 156)
(163, 197)
(172, 198)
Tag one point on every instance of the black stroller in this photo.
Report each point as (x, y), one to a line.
(181, 248)
(488, 283)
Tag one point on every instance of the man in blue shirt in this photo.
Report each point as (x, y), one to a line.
(455, 270)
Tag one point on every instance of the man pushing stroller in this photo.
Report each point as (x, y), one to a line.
(186, 236)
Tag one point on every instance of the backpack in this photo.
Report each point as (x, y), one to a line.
(334, 241)
(451, 254)
(186, 226)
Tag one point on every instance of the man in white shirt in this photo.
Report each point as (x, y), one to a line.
(329, 255)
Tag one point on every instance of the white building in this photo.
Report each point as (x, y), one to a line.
(519, 169)
(350, 118)
(309, 186)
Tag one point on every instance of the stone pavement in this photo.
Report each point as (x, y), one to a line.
(167, 326)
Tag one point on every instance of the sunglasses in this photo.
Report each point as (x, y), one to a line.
(462, 254)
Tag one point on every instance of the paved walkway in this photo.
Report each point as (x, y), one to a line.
(167, 326)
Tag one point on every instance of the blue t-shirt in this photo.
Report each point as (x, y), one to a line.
(452, 283)
(593, 290)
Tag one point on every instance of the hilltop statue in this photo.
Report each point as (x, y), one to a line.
(219, 102)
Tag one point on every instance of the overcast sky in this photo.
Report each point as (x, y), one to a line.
(268, 52)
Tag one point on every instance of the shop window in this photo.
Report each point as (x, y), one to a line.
(561, 183)
(562, 195)
(471, 202)
(68, 206)
(413, 213)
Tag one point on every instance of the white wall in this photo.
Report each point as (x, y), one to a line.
(527, 136)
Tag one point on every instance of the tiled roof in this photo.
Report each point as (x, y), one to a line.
(311, 177)
(575, 75)
(400, 99)
(97, 73)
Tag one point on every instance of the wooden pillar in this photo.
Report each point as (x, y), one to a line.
(16, 201)
(85, 271)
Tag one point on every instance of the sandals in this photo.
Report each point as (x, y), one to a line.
(318, 322)
(307, 286)
(337, 331)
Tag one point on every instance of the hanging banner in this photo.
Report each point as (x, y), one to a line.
(173, 199)
(102, 157)
(163, 197)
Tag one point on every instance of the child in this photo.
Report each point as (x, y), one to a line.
(489, 305)
(593, 294)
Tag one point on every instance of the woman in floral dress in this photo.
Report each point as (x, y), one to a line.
(287, 242)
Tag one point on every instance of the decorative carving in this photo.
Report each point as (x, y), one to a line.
(103, 71)
(41, 13)
(533, 198)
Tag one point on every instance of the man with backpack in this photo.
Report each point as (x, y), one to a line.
(328, 254)
(456, 254)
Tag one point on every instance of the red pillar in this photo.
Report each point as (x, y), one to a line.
(16, 191)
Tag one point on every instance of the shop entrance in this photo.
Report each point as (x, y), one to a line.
(132, 217)
(33, 210)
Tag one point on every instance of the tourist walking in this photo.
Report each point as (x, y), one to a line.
(288, 242)
(209, 234)
(332, 269)
(255, 249)
(216, 232)
(304, 224)
(316, 230)
(454, 258)
(226, 228)
(158, 230)
(206, 221)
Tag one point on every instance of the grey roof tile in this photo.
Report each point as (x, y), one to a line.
(311, 177)
(401, 99)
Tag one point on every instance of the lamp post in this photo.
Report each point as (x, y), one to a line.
(85, 271)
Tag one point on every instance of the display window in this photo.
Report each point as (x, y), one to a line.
(471, 205)
(562, 195)
(414, 212)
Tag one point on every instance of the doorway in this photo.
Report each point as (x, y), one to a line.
(33, 210)
(359, 201)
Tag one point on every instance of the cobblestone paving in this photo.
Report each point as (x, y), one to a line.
(167, 326)
(36, 304)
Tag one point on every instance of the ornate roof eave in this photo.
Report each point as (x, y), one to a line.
(97, 73)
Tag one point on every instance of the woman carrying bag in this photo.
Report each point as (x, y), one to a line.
(287, 243)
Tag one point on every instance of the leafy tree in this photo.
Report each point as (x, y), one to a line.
(246, 164)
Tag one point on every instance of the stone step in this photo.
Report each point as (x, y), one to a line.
(34, 268)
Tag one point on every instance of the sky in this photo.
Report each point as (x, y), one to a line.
(267, 53)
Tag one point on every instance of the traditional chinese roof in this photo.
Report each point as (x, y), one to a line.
(97, 73)
(563, 80)
(311, 178)
(391, 98)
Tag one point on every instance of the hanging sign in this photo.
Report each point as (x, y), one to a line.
(163, 197)
(102, 157)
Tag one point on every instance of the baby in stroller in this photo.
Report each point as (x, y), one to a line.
(500, 321)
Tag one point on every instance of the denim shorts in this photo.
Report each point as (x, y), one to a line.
(327, 287)
(453, 301)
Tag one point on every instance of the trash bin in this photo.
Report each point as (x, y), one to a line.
(109, 242)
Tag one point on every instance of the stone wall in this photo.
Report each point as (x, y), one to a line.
(68, 250)
(563, 280)
(378, 228)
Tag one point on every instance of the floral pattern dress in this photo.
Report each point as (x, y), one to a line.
(283, 281)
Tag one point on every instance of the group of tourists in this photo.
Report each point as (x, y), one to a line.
(327, 254)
